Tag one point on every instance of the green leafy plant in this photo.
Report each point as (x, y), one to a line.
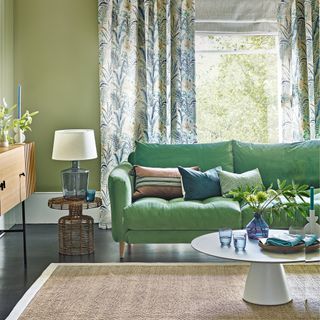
(25, 121)
(280, 200)
(6, 119)
(7, 122)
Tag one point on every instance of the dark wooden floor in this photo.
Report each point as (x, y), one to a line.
(42, 246)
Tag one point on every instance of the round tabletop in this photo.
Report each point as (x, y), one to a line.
(61, 203)
(210, 245)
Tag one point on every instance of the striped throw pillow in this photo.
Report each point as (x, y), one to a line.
(157, 182)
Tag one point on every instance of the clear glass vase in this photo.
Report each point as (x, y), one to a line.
(19, 136)
(257, 227)
(4, 141)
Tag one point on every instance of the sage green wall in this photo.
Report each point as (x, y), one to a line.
(56, 62)
(6, 51)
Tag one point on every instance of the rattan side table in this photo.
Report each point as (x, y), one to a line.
(76, 233)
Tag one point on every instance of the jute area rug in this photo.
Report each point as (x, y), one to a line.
(161, 291)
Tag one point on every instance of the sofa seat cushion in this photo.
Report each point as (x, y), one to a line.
(177, 214)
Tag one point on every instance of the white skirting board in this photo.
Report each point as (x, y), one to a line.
(37, 210)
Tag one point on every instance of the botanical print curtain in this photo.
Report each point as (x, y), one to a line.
(147, 78)
(299, 53)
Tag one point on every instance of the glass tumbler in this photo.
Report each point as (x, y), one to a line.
(239, 240)
(225, 236)
(90, 195)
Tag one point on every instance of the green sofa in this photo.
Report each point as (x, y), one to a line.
(155, 220)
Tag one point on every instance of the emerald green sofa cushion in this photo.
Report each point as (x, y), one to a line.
(206, 156)
(298, 161)
(177, 214)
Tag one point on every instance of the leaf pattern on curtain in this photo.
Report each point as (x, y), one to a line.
(299, 41)
(147, 78)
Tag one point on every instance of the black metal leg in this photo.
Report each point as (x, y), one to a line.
(24, 234)
(23, 230)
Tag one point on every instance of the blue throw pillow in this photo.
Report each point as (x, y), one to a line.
(200, 185)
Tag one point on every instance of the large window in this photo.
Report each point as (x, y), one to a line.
(237, 88)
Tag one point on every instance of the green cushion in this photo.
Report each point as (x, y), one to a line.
(298, 161)
(177, 214)
(230, 181)
(206, 156)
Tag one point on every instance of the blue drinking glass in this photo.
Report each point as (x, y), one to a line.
(90, 195)
(225, 236)
(239, 240)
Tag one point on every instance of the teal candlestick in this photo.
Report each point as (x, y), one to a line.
(311, 198)
(19, 101)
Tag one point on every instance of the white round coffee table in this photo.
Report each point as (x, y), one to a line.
(266, 280)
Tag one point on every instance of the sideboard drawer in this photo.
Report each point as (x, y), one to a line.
(12, 178)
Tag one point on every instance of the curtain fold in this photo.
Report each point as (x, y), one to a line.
(147, 77)
(299, 41)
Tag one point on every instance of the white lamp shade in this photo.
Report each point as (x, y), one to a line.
(74, 144)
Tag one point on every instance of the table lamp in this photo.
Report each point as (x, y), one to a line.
(74, 145)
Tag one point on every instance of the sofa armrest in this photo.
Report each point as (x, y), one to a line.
(120, 192)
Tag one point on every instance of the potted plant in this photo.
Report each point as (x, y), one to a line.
(282, 200)
(5, 123)
(20, 126)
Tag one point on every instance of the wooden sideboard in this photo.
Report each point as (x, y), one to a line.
(17, 179)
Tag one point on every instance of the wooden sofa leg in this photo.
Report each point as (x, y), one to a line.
(122, 246)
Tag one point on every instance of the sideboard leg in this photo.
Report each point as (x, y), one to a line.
(24, 234)
(122, 246)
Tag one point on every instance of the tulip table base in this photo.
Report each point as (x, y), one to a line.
(266, 285)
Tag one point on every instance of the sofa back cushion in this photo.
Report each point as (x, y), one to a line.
(206, 156)
(286, 161)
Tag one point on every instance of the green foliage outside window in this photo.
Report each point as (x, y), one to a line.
(236, 86)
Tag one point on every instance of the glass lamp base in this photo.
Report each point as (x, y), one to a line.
(74, 182)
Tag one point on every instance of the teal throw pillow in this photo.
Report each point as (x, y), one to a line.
(200, 185)
(230, 181)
